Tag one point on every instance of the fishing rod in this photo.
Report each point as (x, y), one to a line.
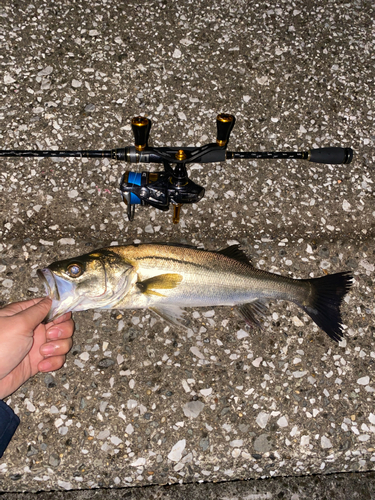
(173, 186)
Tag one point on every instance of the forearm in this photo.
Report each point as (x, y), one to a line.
(8, 425)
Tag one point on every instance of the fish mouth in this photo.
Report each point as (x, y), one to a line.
(50, 286)
(59, 291)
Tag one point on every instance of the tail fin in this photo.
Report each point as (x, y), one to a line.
(325, 299)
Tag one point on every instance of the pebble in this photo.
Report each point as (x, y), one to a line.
(364, 437)
(66, 241)
(8, 79)
(46, 243)
(31, 451)
(241, 334)
(257, 362)
(76, 84)
(30, 406)
(139, 462)
(196, 352)
(120, 359)
(102, 406)
(193, 409)
(346, 206)
(49, 380)
(204, 443)
(262, 419)
(297, 321)
(363, 380)
(206, 392)
(46, 71)
(305, 440)
(115, 440)
(105, 363)
(54, 460)
(131, 404)
(236, 443)
(103, 434)
(176, 452)
(262, 443)
(129, 429)
(66, 485)
(325, 442)
(282, 422)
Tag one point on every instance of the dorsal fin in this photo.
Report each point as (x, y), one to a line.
(234, 252)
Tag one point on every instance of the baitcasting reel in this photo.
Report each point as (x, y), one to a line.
(173, 186)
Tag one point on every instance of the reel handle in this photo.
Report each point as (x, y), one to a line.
(141, 127)
(224, 123)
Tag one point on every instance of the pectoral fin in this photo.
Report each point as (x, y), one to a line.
(252, 312)
(173, 315)
(161, 282)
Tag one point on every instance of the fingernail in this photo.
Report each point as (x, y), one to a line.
(47, 349)
(54, 333)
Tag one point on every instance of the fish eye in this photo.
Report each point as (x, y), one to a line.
(74, 270)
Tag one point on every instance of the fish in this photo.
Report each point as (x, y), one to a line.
(168, 278)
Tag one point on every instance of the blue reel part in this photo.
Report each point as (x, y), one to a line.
(135, 179)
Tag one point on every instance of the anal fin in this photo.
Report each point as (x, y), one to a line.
(173, 315)
(253, 312)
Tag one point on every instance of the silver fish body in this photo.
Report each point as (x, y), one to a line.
(167, 278)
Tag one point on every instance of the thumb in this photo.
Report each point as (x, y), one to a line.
(34, 315)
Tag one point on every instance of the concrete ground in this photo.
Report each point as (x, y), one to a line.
(140, 403)
(346, 486)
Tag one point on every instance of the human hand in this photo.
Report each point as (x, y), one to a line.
(27, 346)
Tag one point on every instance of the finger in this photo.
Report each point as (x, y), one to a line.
(51, 364)
(56, 347)
(61, 331)
(59, 320)
(31, 317)
(16, 307)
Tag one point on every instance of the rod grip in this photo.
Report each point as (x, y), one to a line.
(334, 156)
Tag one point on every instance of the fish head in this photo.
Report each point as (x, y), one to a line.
(93, 281)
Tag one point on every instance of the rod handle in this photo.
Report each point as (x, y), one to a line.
(334, 156)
